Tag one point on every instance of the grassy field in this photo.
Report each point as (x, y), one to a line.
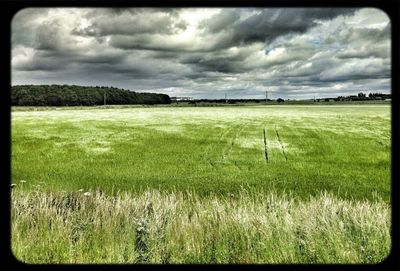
(231, 161)
(180, 227)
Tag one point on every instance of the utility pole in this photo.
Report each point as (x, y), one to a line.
(266, 96)
(105, 98)
(226, 100)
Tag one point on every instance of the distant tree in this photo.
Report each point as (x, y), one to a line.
(280, 100)
(62, 95)
(379, 96)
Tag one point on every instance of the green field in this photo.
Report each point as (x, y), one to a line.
(207, 157)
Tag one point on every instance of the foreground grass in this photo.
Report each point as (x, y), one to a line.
(180, 227)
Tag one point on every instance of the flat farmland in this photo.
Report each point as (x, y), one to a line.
(341, 149)
(228, 160)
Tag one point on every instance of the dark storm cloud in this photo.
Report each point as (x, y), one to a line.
(215, 62)
(40, 64)
(49, 36)
(104, 58)
(49, 60)
(147, 41)
(220, 65)
(218, 60)
(268, 24)
(263, 26)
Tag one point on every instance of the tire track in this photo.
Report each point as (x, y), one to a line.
(208, 149)
(265, 146)
(227, 151)
(280, 143)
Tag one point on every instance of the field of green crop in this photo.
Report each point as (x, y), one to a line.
(207, 157)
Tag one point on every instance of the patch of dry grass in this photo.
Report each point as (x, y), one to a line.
(180, 227)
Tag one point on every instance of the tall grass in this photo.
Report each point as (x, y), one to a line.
(180, 227)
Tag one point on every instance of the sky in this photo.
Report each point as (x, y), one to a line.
(293, 53)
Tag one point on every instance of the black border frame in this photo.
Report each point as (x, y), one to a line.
(7, 10)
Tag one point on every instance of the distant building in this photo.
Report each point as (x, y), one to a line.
(178, 99)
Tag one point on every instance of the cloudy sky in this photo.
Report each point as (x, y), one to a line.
(205, 53)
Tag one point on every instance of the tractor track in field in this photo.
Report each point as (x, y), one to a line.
(280, 143)
(265, 146)
(221, 138)
(228, 150)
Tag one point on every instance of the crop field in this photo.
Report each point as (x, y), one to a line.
(248, 184)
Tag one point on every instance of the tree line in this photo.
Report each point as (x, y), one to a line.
(70, 95)
(363, 97)
(230, 101)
